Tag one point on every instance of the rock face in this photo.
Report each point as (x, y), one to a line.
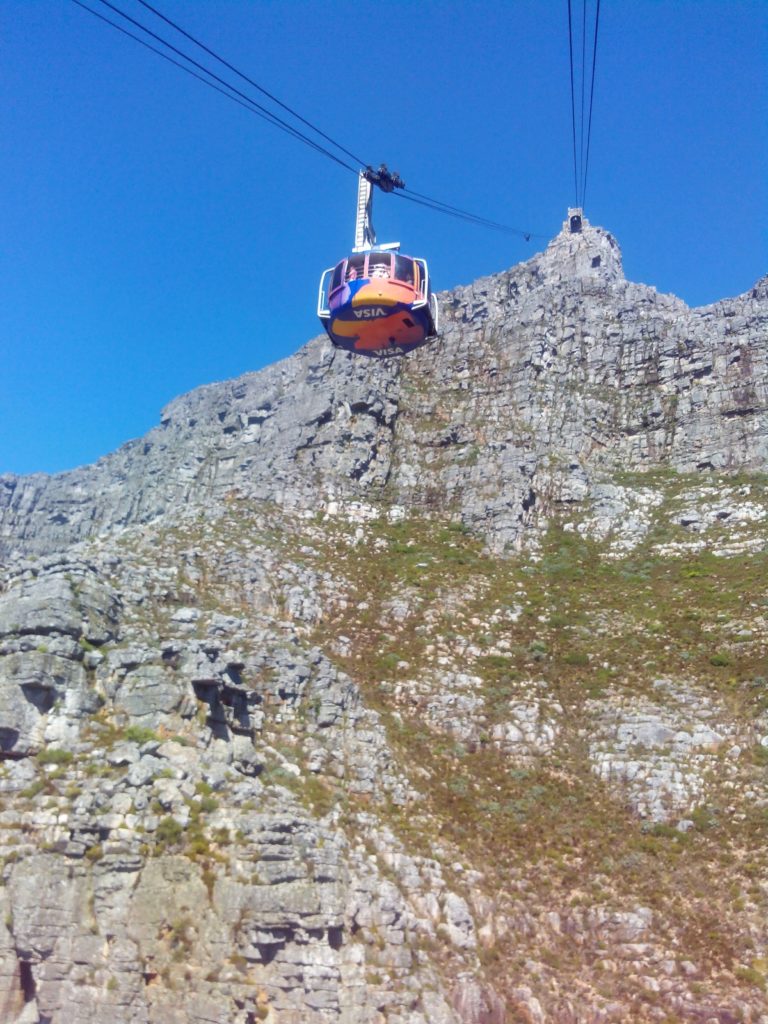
(408, 691)
(546, 378)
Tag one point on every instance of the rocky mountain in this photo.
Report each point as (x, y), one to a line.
(423, 690)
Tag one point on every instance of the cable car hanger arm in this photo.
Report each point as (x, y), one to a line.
(387, 181)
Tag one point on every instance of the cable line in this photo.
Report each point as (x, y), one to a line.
(591, 99)
(455, 211)
(437, 204)
(573, 106)
(583, 66)
(246, 104)
(242, 99)
(250, 81)
(274, 119)
(580, 150)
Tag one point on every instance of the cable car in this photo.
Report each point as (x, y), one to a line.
(377, 301)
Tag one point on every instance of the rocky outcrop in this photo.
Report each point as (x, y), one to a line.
(275, 434)
(167, 844)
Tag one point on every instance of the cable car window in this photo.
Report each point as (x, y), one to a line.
(404, 269)
(355, 265)
(337, 276)
(422, 268)
(379, 265)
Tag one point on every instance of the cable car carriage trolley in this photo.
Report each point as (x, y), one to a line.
(377, 301)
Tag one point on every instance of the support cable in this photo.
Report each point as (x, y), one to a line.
(242, 99)
(250, 81)
(583, 86)
(573, 105)
(277, 121)
(583, 116)
(247, 104)
(414, 197)
(591, 100)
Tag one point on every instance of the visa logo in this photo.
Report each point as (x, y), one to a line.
(369, 313)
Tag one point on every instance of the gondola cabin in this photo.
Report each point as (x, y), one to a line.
(378, 302)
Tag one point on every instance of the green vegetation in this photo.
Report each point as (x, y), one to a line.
(752, 976)
(574, 625)
(54, 756)
(34, 789)
(169, 832)
(140, 734)
(181, 936)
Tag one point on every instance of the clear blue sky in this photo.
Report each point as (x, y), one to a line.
(157, 237)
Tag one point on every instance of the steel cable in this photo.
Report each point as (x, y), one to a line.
(277, 121)
(250, 81)
(245, 103)
(580, 150)
(573, 105)
(591, 99)
(242, 99)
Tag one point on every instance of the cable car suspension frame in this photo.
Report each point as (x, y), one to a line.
(377, 302)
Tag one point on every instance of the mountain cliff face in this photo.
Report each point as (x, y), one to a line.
(547, 380)
(425, 690)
